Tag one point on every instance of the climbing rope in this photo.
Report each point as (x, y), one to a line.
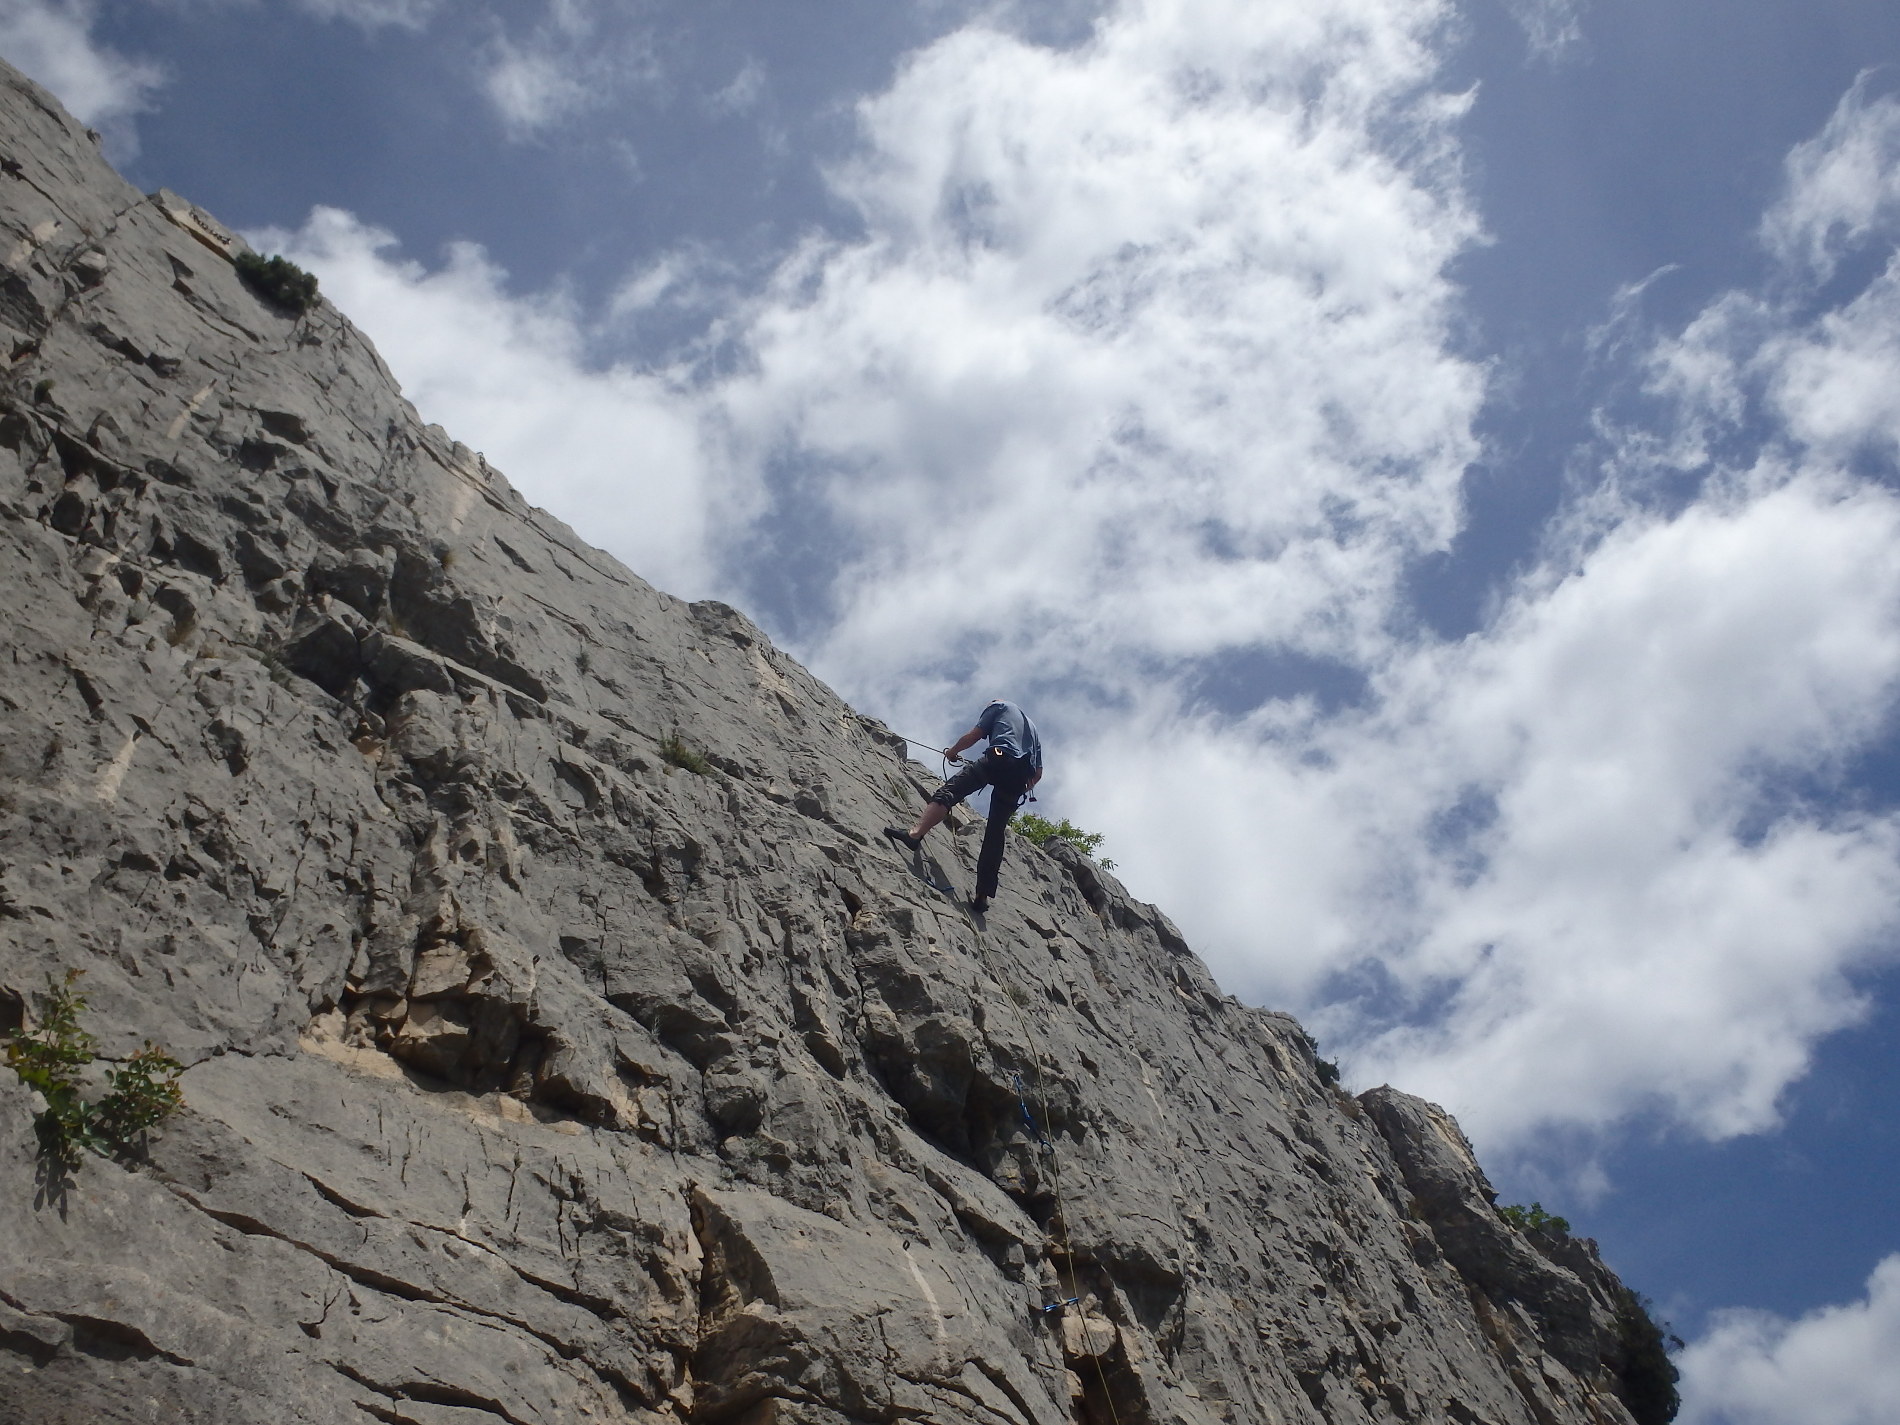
(943, 754)
(1040, 1136)
(1055, 1167)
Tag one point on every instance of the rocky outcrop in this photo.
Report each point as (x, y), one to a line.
(564, 1042)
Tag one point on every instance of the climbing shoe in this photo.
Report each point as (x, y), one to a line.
(979, 904)
(902, 837)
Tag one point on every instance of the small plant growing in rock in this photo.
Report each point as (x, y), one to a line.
(675, 752)
(48, 1059)
(1534, 1219)
(181, 629)
(269, 653)
(1040, 831)
(278, 281)
(140, 1093)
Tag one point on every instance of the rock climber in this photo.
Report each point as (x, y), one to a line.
(1009, 768)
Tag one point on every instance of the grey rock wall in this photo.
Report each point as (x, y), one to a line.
(535, 1078)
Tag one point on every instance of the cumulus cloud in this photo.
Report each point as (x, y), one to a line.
(576, 57)
(375, 14)
(52, 41)
(1838, 1365)
(1635, 912)
(1647, 886)
(616, 451)
(1843, 184)
(1144, 370)
(1826, 380)
(1143, 357)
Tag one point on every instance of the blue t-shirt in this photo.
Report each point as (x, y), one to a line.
(1008, 727)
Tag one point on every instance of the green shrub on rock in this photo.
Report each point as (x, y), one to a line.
(1041, 831)
(1534, 1219)
(278, 281)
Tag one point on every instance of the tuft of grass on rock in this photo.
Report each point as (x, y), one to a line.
(675, 752)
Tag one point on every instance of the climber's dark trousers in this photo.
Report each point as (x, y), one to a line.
(1008, 781)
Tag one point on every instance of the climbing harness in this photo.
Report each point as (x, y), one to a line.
(949, 762)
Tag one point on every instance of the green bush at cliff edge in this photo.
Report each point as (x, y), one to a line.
(1041, 831)
(278, 281)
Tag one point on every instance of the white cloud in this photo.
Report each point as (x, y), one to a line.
(1144, 356)
(1668, 896)
(1838, 1365)
(579, 56)
(375, 14)
(617, 452)
(1837, 385)
(533, 88)
(51, 41)
(743, 94)
(1552, 27)
(1828, 381)
(1843, 184)
(1643, 916)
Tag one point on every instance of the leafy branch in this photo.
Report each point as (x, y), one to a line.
(1534, 1219)
(1040, 831)
(140, 1093)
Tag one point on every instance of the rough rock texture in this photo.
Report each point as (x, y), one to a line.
(537, 1078)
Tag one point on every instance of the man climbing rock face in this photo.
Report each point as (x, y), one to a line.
(1010, 767)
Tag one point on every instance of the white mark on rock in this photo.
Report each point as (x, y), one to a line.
(941, 1354)
(461, 499)
(114, 771)
(191, 409)
(41, 234)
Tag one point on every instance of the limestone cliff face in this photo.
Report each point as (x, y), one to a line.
(535, 1078)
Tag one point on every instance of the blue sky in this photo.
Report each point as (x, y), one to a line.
(1430, 467)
